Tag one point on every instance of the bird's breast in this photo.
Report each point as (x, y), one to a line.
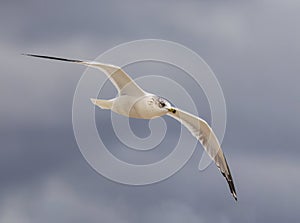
(136, 107)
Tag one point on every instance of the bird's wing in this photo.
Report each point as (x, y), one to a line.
(202, 131)
(124, 84)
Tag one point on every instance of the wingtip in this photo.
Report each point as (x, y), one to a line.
(232, 188)
(234, 196)
(27, 54)
(52, 58)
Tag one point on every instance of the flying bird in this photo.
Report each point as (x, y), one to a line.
(132, 101)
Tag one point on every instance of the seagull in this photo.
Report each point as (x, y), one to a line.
(132, 101)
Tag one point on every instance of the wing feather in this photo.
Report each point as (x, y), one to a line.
(203, 132)
(122, 81)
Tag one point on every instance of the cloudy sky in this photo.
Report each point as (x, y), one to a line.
(253, 48)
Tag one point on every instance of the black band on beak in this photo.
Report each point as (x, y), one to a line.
(172, 110)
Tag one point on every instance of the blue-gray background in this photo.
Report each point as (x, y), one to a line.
(253, 47)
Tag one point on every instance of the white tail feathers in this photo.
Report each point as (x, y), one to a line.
(104, 104)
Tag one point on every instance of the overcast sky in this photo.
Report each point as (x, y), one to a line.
(253, 48)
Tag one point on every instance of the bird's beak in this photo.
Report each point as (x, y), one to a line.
(173, 110)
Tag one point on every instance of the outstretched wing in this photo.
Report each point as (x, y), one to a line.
(124, 84)
(202, 131)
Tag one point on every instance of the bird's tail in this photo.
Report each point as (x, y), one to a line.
(104, 104)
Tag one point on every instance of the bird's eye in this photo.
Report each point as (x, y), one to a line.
(162, 104)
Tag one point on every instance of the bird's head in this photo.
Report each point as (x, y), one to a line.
(164, 105)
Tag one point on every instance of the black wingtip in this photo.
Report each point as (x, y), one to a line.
(229, 180)
(52, 58)
(231, 185)
(232, 189)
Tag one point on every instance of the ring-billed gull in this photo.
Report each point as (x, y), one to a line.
(134, 102)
